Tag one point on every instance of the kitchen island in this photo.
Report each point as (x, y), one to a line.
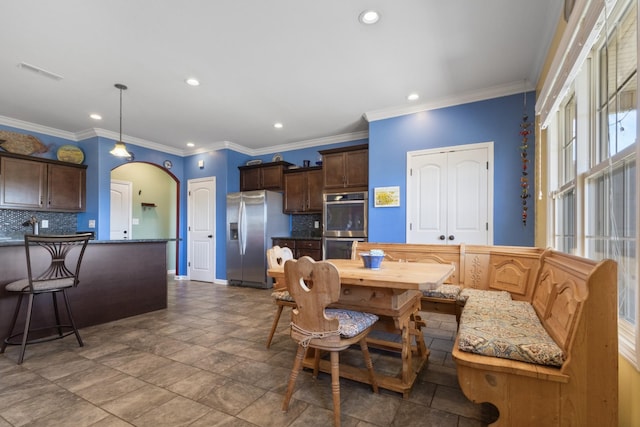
(118, 279)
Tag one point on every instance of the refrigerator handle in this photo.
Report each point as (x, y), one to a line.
(242, 226)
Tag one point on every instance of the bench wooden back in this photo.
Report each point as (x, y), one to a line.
(568, 289)
(501, 268)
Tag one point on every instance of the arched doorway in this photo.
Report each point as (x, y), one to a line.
(155, 196)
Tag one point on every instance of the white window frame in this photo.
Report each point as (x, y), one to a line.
(578, 71)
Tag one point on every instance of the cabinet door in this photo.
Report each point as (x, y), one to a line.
(285, 243)
(250, 179)
(333, 167)
(295, 192)
(311, 248)
(357, 168)
(314, 191)
(65, 188)
(272, 177)
(22, 183)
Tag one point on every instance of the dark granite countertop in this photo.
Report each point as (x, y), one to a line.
(20, 242)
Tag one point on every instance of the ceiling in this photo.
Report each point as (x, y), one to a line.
(310, 65)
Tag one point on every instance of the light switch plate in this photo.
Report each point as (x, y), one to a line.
(44, 223)
(316, 224)
(135, 221)
(92, 223)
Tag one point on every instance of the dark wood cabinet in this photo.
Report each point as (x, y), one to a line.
(265, 176)
(346, 167)
(302, 247)
(65, 188)
(27, 183)
(303, 190)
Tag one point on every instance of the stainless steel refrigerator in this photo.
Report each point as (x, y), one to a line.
(253, 218)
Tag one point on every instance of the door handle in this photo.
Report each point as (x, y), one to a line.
(452, 237)
(441, 237)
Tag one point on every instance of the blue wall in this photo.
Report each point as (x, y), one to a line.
(496, 120)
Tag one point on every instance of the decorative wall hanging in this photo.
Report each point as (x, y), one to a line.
(524, 179)
(21, 143)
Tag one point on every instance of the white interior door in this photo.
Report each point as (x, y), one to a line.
(201, 229)
(120, 216)
(449, 195)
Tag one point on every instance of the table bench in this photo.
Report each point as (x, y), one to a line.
(575, 302)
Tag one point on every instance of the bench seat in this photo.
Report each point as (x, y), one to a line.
(507, 329)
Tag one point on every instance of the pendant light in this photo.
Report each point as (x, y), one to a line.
(120, 150)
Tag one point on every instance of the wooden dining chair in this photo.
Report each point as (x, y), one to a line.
(278, 256)
(315, 285)
(53, 266)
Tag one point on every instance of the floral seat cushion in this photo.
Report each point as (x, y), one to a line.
(351, 322)
(443, 291)
(282, 296)
(467, 293)
(507, 329)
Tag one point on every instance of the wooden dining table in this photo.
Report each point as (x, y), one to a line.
(392, 292)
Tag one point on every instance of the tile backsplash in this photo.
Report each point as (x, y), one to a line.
(303, 225)
(11, 221)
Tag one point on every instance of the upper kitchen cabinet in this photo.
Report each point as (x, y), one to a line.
(48, 185)
(303, 190)
(346, 167)
(265, 176)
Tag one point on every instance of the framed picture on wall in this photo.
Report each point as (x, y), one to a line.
(386, 197)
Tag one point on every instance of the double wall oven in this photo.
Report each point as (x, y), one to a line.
(344, 220)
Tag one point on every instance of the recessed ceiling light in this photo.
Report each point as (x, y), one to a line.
(413, 96)
(369, 17)
(193, 82)
(190, 144)
(95, 116)
(277, 125)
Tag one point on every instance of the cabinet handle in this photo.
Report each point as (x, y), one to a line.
(452, 237)
(441, 237)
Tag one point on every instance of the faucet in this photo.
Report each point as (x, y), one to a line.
(33, 222)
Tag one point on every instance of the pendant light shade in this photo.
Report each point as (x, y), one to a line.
(120, 149)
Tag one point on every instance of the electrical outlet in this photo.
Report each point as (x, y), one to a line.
(316, 224)
(44, 223)
(92, 223)
(135, 221)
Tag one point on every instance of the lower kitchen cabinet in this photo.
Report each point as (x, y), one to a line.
(301, 247)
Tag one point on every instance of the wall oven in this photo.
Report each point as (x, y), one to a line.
(344, 220)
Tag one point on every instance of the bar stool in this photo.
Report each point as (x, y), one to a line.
(64, 253)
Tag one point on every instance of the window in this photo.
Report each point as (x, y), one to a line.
(612, 198)
(565, 194)
(592, 170)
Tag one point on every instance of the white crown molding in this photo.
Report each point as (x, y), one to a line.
(103, 133)
(479, 95)
(32, 127)
(345, 137)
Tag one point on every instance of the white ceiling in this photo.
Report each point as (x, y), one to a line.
(308, 64)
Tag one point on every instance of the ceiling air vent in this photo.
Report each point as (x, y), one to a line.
(40, 71)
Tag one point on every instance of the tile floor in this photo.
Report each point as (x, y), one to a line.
(203, 362)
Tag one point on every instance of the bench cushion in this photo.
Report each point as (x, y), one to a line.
(467, 293)
(507, 329)
(443, 291)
